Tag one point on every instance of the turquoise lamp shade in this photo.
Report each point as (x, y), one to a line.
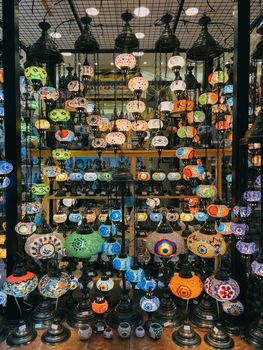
(111, 247)
(122, 262)
(134, 275)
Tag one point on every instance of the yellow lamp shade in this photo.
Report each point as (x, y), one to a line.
(186, 288)
(139, 125)
(59, 115)
(42, 124)
(61, 154)
(206, 243)
(141, 216)
(61, 177)
(36, 73)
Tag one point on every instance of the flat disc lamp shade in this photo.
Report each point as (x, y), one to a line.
(186, 288)
(221, 289)
(19, 285)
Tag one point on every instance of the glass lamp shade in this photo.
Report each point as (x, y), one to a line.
(206, 243)
(186, 288)
(233, 308)
(176, 62)
(196, 117)
(123, 125)
(62, 177)
(105, 125)
(141, 216)
(217, 210)
(33, 207)
(193, 171)
(143, 175)
(105, 230)
(75, 86)
(218, 77)
(257, 268)
(42, 124)
(25, 227)
(100, 305)
(90, 216)
(172, 215)
(149, 303)
(186, 216)
(104, 176)
(135, 107)
(155, 124)
(228, 89)
(99, 143)
(246, 248)
(158, 176)
(224, 228)
(51, 171)
(20, 286)
(185, 153)
(221, 290)
(159, 141)
(111, 247)
(83, 245)
(182, 105)
(201, 216)
(40, 189)
(25, 86)
(174, 176)
(44, 245)
(252, 197)
(90, 176)
(34, 73)
(94, 120)
(48, 93)
(5, 167)
(115, 138)
(64, 135)
(222, 125)
(165, 106)
(115, 215)
(165, 245)
(208, 98)
(3, 298)
(239, 229)
(186, 132)
(134, 275)
(105, 284)
(138, 84)
(75, 176)
(59, 115)
(55, 286)
(178, 85)
(4, 182)
(122, 262)
(156, 216)
(147, 284)
(86, 71)
(139, 125)
(75, 216)
(206, 191)
(61, 154)
(125, 61)
(60, 217)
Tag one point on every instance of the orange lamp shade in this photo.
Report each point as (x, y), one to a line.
(183, 105)
(186, 288)
(217, 210)
(100, 305)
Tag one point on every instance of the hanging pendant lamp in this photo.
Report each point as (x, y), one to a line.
(45, 49)
(205, 46)
(167, 42)
(86, 43)
(126, 40)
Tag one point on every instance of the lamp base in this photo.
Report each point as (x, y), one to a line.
(43, 315)
(82, 314)
(3, 333)
(254, 335)
(55, 334)
(234, 325)
(21, 335)
(186, 337)
(124, 312)
(218, 338)
(204, 314)
(168, 313)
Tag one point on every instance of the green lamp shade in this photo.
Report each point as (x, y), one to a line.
(61, 154)
(40, 189)
(59, 115)
(36, 73)
(83, 246)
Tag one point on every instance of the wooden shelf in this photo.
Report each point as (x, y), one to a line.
(128, 153)
(83, 197)
(166, 197)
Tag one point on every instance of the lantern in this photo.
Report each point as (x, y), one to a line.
(135, 107)
(42, 124)
(176, 62)
(122, 262)
(149, 302)
(54, 285)
(138, 84)
(48, 93)
(221, 288)
(36, 75)
(40, 189)
(217, 210)
(59, 116)
(125, 62)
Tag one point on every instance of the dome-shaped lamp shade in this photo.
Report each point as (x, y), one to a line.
(222, 290)
(206, 243)
(100, 305)
(61, 154)
(48, 93)
(55, 286)
(205, 46)
(125, 62)
(45, 50)
(185, 153)
(115, 138)
(167, 41)
(186, 288)
(126, 40)
(246, 248)
(19, 285)
(59, 115)
(86, 43)
(135, 107)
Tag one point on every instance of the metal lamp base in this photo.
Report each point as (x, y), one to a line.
(82, 315)
(21, 335)
(186, 337)
(254, 335)
(124, 312)
(218, 338)
(43, 315)
(55, 334)
(234, 325)
(168, 312)
(3, 333)
(204, 314)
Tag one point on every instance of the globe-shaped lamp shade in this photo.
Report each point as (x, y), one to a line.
(138, 84)
(143, 175)
(139, 125)
(60, 217)
(147, 284)
(246, 248)
(193, 171)
(217, 210)
(165, 106)
(206, 191)
(176, 62)
(186, 288)
(159, 141)
(105, 284)
(42, 124)
(218, 77)
(75, 86)
(62, 177)
(115, 138)
(206, 242)
(257, 268)
(134, 275)
(51, 171)
(54, 286)
(233, 308)
(48, 93)
(155, 124)
(186, 132)
(19, 286)
(149, 303)
(239, 229)
(224, 228)
(25, 227)
(221, 289)
(122, 262)
(208, 98)
(59, 115)
(64, 136)
(178, 86)
(5, 167)
(36, 75)
(125, 62)
(242, 211)
(100, 305)
(185, 153)
(111, 247)
(61, 154)
(99, 143)
(40, 189)
(86, 71)
(252, 197)
(135, 107)
(123, 125)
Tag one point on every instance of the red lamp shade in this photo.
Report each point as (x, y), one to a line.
(100, 305)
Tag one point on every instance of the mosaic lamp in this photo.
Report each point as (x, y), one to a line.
(125, 62)
(26, 226)
(105, 283)
(246, 247)
(138, 84)
(84, 242)
(149, 303)
(99, 307)
(257, 266)
(36, 75)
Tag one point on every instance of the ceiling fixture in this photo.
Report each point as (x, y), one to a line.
(126, 40)
(66, 54)
(167, 42)
(141, 11)
(86, 43)
(191, 11)
(92, 11)
(45, 49)
(139, 35)
(138, 53)
(205, 46)
(55, 35)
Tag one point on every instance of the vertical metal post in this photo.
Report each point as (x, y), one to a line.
(240, 120)
(207, 69)
(12, 123)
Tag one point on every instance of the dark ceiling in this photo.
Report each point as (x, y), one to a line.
(108, 23)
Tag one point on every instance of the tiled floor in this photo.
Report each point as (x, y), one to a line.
(97, 342)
